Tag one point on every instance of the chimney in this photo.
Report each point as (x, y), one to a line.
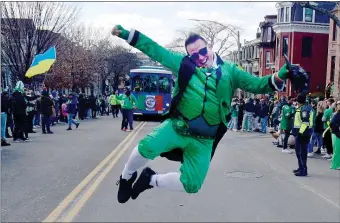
(258, 35)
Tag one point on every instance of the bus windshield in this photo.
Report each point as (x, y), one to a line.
(150, 84)
(164, 85)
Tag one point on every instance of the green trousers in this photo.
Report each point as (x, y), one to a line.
(336, 152)
(196, 153)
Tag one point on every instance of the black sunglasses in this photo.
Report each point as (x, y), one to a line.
(202, 52)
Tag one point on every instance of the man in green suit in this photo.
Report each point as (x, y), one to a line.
(199, 110)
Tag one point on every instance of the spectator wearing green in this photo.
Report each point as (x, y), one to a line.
(327, 136)
(234, 115)
(286, 124)
(128, 103)
(335, 129)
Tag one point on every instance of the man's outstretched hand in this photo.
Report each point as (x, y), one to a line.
(119, 31)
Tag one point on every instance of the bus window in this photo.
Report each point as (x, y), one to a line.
(150, 83)
(137, 83)
(164, 85)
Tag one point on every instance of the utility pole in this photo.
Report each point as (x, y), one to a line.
(238, 49)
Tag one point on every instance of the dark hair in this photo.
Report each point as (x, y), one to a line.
(331, 100)
(193, 37)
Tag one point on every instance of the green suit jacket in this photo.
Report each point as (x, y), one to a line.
(232, 76)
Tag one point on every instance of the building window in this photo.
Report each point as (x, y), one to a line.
(281, 14)
(287, 16)
(308, 14)
(335, 31)
(269, 34)
(267, 59)
(285, 46)
(307, 46)
(332, 68)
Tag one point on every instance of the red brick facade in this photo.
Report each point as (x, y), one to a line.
(316, 64)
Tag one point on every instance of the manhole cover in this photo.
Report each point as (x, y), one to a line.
(243, 175)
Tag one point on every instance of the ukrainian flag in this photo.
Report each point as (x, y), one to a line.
(42, 63)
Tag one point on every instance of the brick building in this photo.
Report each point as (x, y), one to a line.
(302, 34)
(267, 46)
(333, 61)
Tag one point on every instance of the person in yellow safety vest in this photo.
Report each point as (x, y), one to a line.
(113, 103)
(302, 131)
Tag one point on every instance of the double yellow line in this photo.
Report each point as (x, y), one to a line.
(73, 203)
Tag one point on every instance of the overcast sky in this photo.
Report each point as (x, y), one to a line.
(160, 20)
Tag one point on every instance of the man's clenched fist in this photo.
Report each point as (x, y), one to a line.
(115, 31)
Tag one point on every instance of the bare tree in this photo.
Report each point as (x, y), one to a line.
(30, 28)
(103, 51)
(113, 62)
(120, 64)
(76, 63)
(219, 36)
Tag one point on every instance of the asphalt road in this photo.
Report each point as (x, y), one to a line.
(249, 180)
(36, 176)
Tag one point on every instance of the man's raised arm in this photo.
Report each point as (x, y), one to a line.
(260, 85)
(167, 58)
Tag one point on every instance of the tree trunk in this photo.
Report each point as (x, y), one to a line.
(103, 86)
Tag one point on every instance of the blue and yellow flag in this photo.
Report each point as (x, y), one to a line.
(42, 63)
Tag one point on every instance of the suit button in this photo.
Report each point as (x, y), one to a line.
(224, 104)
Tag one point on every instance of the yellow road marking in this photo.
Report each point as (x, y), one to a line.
(66, 202)
(80, 204)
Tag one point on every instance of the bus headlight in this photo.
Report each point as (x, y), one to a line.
(167, 104)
